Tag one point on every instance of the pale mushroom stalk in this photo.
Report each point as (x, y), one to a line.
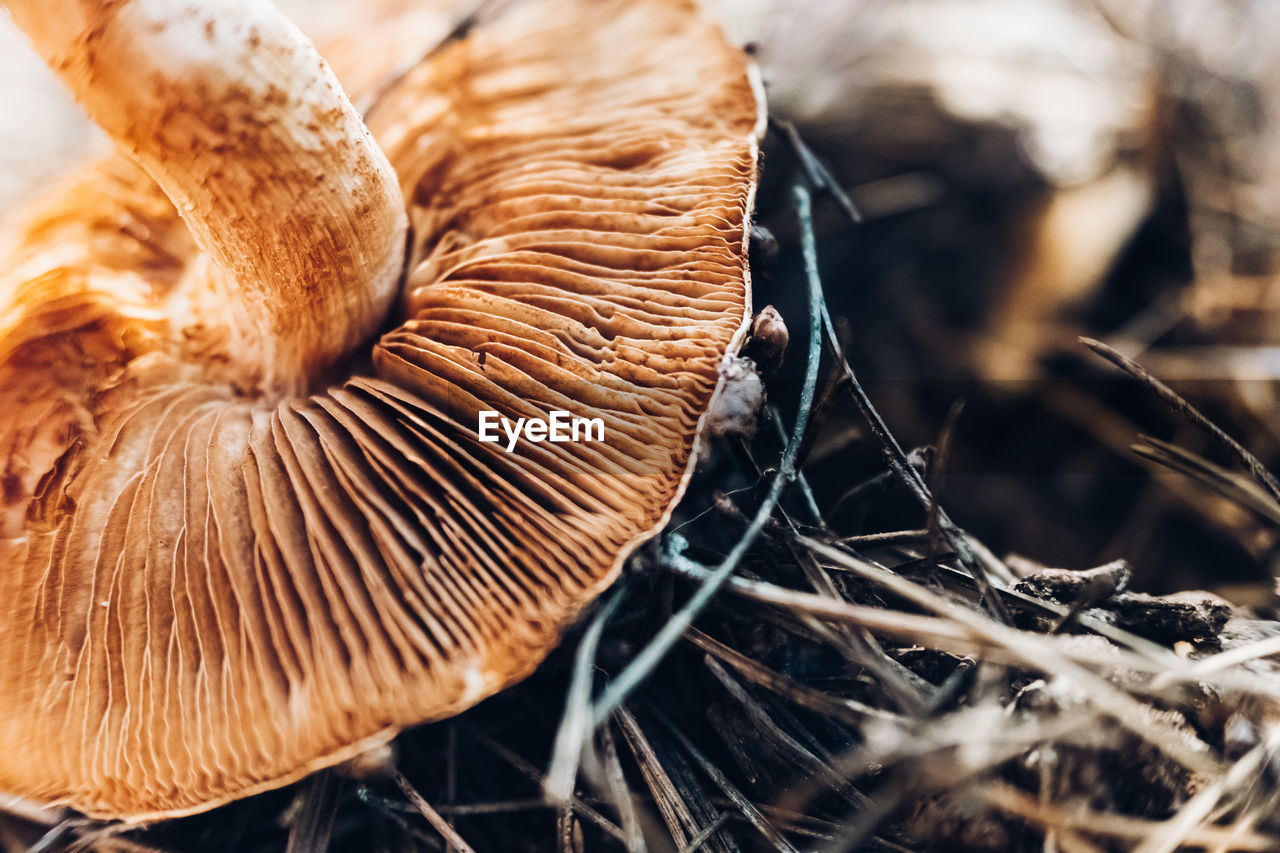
(236, 116)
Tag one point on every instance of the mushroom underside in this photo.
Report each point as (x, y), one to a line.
(207, 593)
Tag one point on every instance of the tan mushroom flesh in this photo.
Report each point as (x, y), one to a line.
(249, 529)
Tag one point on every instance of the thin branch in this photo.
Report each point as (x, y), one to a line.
(704, 835)
(530, 772)
(1117, 826)
(895, 456)
(744, 805)
(1171, 398)
(442, 826)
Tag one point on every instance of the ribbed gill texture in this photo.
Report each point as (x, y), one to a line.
(203, 595)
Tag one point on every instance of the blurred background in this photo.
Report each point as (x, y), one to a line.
(1027, 171)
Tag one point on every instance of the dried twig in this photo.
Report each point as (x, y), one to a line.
(742, 803)
(1170, 397)
(442, 826)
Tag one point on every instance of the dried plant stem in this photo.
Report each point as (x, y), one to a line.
(1037, 653)
(1167, 395)
(671, 806)
(895, 456)
(704, 835)
(744, 805)
(433, 817)
(581, 809)
(1015, 802)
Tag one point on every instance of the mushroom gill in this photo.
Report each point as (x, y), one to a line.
(212, 582)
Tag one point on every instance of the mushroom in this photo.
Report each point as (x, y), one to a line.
(250, 528)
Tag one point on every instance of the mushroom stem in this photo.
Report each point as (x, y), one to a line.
(237, 117)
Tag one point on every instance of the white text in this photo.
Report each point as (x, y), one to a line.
(558, 426)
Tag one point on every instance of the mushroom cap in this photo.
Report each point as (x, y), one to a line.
(205, 593)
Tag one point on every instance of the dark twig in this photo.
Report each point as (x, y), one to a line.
(701, 803)
(460, 809)
(818, 174)
(704, 835)
(1238, 488)
(781, 742)
(896, 458)
(938, 476)
(675, 812)
(846, 710)
(876, 484)
(1171, 398)
(893, 537)
(583, 810)
(442, 826)
(744, 805)
(802, 483)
